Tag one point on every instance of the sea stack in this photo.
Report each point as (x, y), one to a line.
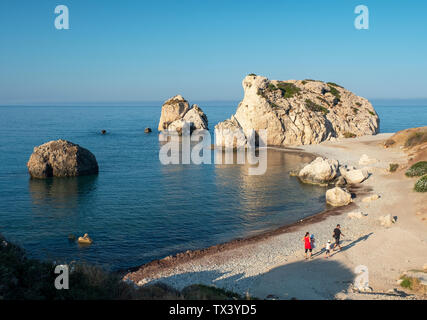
(176, 112)
(299, 112)
(61, 158)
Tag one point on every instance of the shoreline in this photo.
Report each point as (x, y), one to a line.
(250, 259)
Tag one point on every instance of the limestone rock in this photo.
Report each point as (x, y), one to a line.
(319, 171)
(355, 176)
(173, 109)
(356, 215)
(176, 112)
(229, 134)
(371, 198)
(196, 117)
(365, 160)
(61, 158)
(338, 197)
(147, 130)
(387, 220)
(299, 112)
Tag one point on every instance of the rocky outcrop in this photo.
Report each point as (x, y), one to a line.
(320, 171)
(338, 197)
(176, 112)
(61, 158)
(354, 176)
(299, 112)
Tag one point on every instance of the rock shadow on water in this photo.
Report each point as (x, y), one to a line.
(61, 193)
(317, 279)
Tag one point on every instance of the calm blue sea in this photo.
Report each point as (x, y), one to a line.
(136, 209)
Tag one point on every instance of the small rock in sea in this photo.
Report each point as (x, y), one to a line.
(147, 130)
(103, 131)
(71, 237)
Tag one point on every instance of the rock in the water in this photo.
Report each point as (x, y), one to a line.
(176, 111)
(147, 130)
(103, 131)
(355, 176)
(365, 160)
(61, 158)
(338, 197)
(229, 134)
(387, 220)
(299, 112)
(356, 215)
(319, 171)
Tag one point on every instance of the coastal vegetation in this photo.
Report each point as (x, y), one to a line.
(417, 170)
(421, 184)
(393, 167)
(22, 278)
(414, 284)
(348, 135)
(416, 138)
(315, 107)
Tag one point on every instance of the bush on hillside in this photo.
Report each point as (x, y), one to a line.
(417, 170)
(421, 185)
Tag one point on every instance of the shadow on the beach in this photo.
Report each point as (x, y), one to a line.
(308, 280)
(352, 244)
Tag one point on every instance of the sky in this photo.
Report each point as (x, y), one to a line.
(134, 51)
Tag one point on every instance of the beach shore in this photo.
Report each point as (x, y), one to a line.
(272, 265)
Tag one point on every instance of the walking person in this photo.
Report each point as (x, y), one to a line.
(307, 245)
(328, 249)
(337, 235)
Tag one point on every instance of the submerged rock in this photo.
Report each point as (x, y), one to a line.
(147, 130)
(320, 171)
(338, 197)
(176, 112)
(61, 158)
(299, 112)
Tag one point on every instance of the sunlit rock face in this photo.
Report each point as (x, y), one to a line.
(299, 112)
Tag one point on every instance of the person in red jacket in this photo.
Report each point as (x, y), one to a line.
(307, 245)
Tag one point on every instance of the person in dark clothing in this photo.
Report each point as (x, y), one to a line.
(337, 235)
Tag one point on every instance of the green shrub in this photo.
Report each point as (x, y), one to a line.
(334, 92)
(348, 135)
(417, 170)
(358, 104)
(315, 107)
(421, 185)
(288, 89)
(371, 113)
(334, 84)
(416, 139)
(252, 74)
(355, 110)
(393, 167)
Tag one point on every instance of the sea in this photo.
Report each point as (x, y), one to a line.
(137, 209)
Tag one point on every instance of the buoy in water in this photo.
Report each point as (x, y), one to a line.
(85, 239)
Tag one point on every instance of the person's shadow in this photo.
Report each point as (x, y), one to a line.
(351, 244)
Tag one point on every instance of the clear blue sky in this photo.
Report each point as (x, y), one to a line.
(151, 50)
